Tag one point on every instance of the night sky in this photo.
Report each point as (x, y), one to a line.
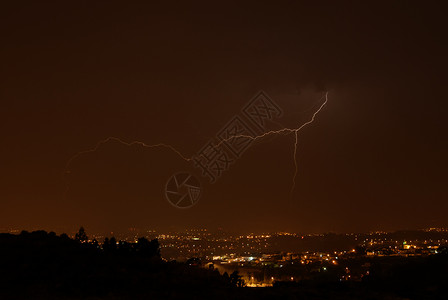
(76, 72)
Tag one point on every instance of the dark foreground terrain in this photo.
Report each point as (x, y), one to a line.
(41, 265)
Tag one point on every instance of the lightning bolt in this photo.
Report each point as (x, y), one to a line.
(283, 131)
(120, 141)
(296, 136)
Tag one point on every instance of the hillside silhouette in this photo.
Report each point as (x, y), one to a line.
(41, 265)
(44, 265)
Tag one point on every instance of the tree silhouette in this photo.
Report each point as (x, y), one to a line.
(81, 236)
(148, 248)
(236, 279)
(112, 244)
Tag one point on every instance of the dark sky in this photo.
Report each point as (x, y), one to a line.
(73, 73)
